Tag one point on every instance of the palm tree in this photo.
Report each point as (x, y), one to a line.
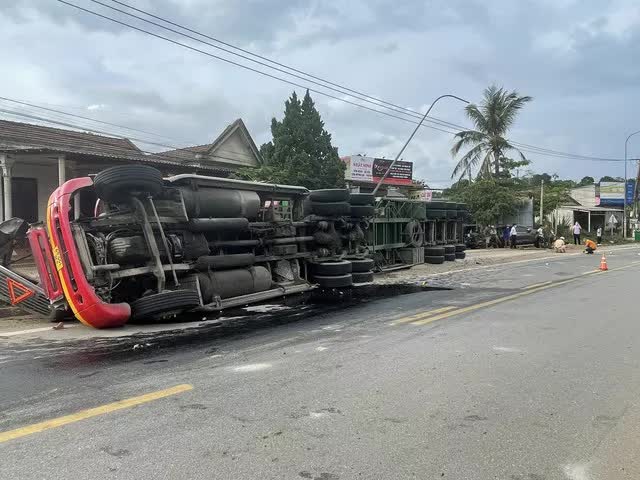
(492, 119)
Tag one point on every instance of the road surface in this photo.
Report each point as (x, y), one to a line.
(527, 371)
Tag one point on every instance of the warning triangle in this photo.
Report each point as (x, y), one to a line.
(17, 291)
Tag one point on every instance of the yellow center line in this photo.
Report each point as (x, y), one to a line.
(496, 301)
(91, 412)
(418, 316)
(536, 285)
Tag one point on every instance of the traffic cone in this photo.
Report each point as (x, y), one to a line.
(603, 264)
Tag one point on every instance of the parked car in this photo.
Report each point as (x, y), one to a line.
(526, 235)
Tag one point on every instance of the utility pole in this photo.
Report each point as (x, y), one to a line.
(624, 208)
(541, 201)
(411, 136)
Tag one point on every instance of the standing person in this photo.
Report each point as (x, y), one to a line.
(506, 234)
(577, 229)
(513, 235)
(599, 235)
(539, 237)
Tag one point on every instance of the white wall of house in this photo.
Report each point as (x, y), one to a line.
(234, 150)
(585, 196)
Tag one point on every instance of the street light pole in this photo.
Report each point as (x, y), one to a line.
(624, 209)
(395, 160)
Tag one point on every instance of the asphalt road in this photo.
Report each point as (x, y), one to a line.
(523, 372)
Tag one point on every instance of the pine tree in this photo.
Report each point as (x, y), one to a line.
(300, 152)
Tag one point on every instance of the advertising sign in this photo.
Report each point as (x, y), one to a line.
(423, 195)
(371, 170)
(611, 194)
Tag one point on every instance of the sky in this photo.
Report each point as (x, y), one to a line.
(578, 59)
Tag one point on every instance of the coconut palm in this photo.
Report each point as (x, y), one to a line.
(492, 119)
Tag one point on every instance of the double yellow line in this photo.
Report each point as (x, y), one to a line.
(450, 311)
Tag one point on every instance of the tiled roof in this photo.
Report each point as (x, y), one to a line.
(26, 136)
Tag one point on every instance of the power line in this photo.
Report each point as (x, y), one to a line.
(108, 147)
(358, 94)
(226, 60)
(523, 146)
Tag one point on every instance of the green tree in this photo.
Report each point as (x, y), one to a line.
(586, 181)
(607, 178)
(487, 199)
(300, 152)
(488, 143)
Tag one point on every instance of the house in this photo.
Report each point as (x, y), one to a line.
(592, 206)
(35, 159)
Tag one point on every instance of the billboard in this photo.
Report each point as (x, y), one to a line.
(612, 194)
(371, 170)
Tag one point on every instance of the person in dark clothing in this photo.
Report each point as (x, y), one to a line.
(506, 234)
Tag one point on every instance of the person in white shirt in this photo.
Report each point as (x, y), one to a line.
(539, 237)
(599, 235)
(577, 229)
(513, 236)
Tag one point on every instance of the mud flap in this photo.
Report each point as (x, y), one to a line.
(16, 290)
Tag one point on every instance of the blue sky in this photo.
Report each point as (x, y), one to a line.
(578, 59)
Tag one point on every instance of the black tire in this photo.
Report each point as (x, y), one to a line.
(363, 211)
(434, 251)
(119, 183)
(461, 255)
(282, 250)
(449, 257)
(339, 267)
(164, 303)
(224, 262)
(331, 209)
(362, 265)
(449, 249)
(460, 247)
(362, 277)
(362, 199)
(434, 259)
(128, 250)
(335, 281)
(331, 195)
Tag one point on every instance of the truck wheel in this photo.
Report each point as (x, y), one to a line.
(335, 281)
(363, 210)
(460, 247)
(362, 277)
(434, 259)
(449, 257)
(449, 249)
(460, 255)
(340, 267)
(331, 209)
(159, 305)
(434, 251)
(119, 183)
(330, 195)
(362, 199)
(362, 265)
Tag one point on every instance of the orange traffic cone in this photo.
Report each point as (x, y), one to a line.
(603, 264)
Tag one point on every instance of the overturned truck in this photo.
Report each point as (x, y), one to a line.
(128, 244)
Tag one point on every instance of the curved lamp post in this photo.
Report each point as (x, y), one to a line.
(624, 209)
(412, 135)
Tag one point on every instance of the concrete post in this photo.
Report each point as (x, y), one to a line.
(62, 170)
(5, 165)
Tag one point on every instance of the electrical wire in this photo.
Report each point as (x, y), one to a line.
(405, 111)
